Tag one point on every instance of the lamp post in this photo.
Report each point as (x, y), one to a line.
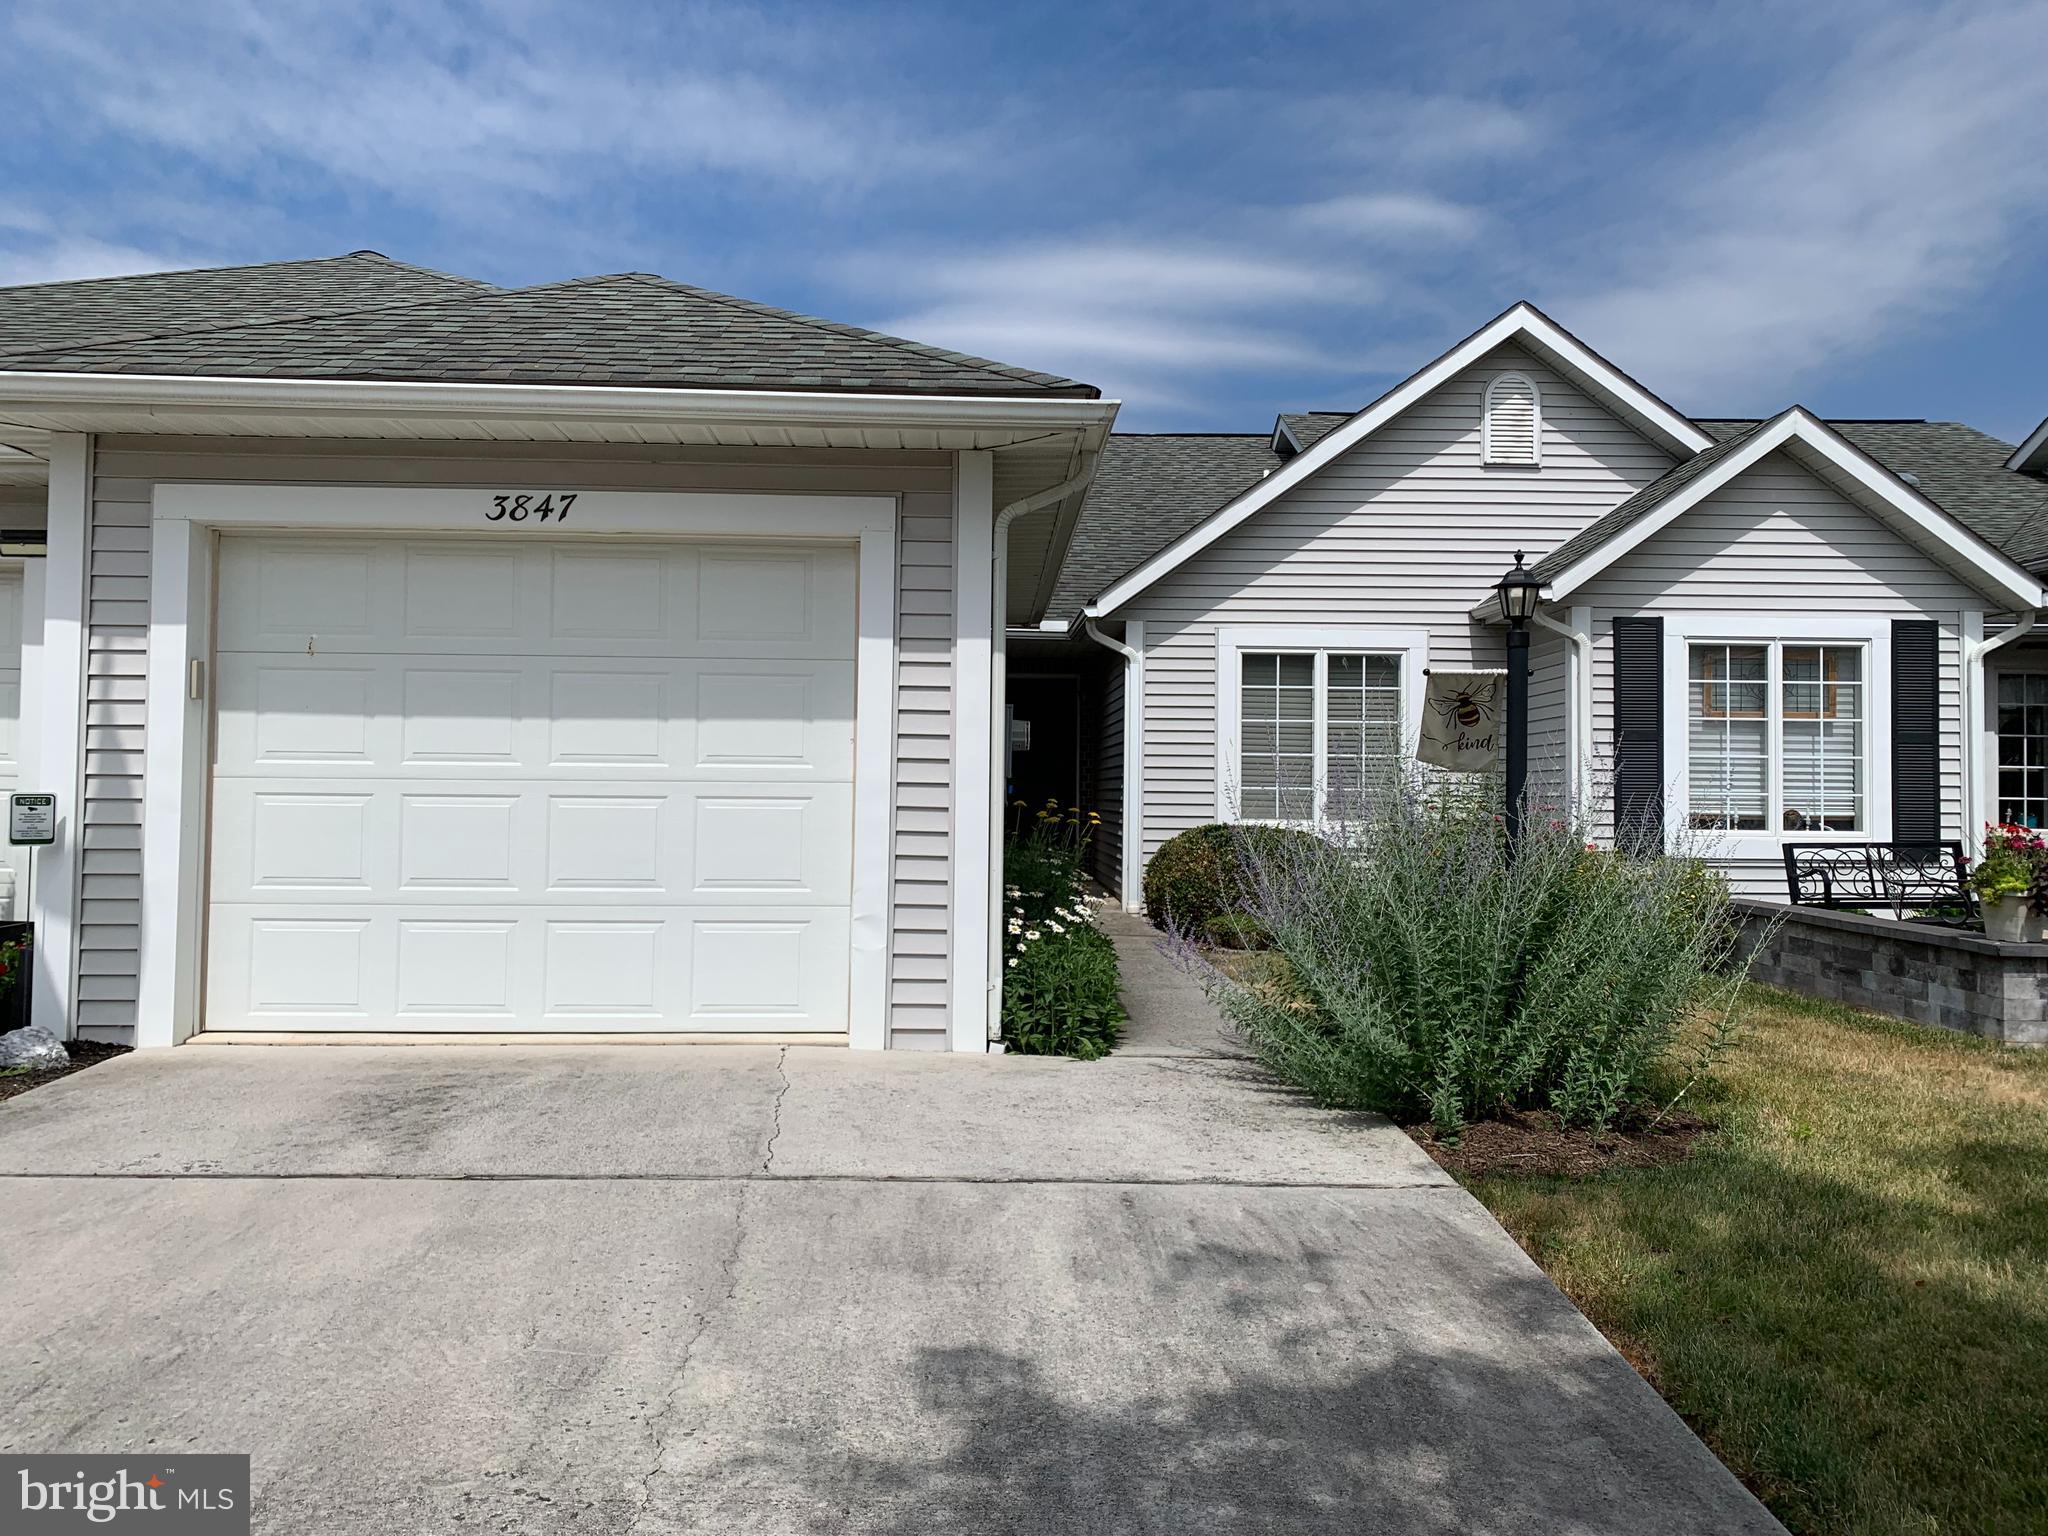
(1519, 592)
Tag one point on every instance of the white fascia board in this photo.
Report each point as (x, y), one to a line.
(1521, 323)
(1991, 571)
(27, 392)
(2035, 447)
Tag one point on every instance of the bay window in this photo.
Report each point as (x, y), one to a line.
(1775, 736)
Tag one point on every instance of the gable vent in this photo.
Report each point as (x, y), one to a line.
(1513, 430)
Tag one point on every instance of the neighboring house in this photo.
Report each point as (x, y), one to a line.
(602, 656)
(1753, 631)
(614, 656)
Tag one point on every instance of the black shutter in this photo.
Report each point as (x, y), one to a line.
(1639, 735)
(1916, 732)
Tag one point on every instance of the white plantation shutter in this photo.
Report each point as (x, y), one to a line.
(1513, 429)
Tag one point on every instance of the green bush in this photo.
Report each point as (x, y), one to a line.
(1202, 874)
(1061, 995)
(1419, 971)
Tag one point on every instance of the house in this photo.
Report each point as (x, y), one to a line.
(608, 656)
(1752, 631)
(603, 656)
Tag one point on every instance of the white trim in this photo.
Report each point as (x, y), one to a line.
(2035, 445)
(621, 514)
(1994, 572)
(60, 745)
(181, 628)
(30, 716)
(1134, 769)
(27, 392)
(1522, 323)
(1684, 630)
(1489, 455)
(974, 755)
(874, 765)
(1412, 645)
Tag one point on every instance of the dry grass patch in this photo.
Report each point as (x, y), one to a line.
(1845, 1288)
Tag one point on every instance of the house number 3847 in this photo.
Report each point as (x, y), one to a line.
(519, 507)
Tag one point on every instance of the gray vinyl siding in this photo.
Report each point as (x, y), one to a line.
(1406, 531)
(1778, 540)
(1109, 777)
(127, 470)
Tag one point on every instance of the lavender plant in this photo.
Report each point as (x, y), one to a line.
(1416, 969)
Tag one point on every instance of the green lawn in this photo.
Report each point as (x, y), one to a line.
(1845, 1288)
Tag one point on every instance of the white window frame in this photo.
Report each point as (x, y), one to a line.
(1487, 455)
(1411, 645)
(1682, 631)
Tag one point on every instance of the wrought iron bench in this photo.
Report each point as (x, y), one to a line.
(1902, 876)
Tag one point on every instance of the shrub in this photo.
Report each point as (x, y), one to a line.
(1201, 875)
(1061, 995)
(1428, 974)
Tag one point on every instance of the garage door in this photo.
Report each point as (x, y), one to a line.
(523, 784)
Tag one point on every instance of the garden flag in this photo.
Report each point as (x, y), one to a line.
(1461, 721)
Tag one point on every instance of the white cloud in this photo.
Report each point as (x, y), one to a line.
(1146, 320)
(1859, 207)
(64, 260)
(408, 104)
(1392, 217)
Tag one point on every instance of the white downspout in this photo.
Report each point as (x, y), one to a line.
(1132, 836)
(1579, 704)
(1974, 652)
(998, 712)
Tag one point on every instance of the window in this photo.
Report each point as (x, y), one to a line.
(2023, 748)
(1775, 737)
(1512, 432)
(1313, 727)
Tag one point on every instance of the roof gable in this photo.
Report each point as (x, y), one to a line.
(1523, 325)
(1825, 452)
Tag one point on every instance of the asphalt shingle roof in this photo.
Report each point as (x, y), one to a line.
(50, 317)
(1149, 489)
(625, 329)
(1307, 426)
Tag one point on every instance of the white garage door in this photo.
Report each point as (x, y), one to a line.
(521, 784)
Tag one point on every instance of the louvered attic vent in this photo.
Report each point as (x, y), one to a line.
(1513, 431)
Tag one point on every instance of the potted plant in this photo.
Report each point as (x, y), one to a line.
(2004, 880)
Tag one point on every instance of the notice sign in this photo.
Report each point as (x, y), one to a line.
(1461, 721)
(31, 819)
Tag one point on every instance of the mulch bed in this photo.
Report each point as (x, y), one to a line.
(84, 1053)
(1530, 1143)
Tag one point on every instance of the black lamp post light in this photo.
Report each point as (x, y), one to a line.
(1519, 592)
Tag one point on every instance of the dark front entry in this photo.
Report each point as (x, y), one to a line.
(1045, 740)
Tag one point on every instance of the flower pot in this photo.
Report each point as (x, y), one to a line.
(2006, 919)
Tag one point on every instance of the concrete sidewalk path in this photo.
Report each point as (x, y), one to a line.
(738, 1290)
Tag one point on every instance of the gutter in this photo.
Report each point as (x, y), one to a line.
(1974, 652)
(998, 711)
(32, 392)
(1133, 812)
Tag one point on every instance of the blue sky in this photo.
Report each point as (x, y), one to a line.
(1212, 211)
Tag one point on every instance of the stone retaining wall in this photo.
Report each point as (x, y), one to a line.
(1914, 971)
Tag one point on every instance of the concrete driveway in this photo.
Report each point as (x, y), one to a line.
(735, 1290)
